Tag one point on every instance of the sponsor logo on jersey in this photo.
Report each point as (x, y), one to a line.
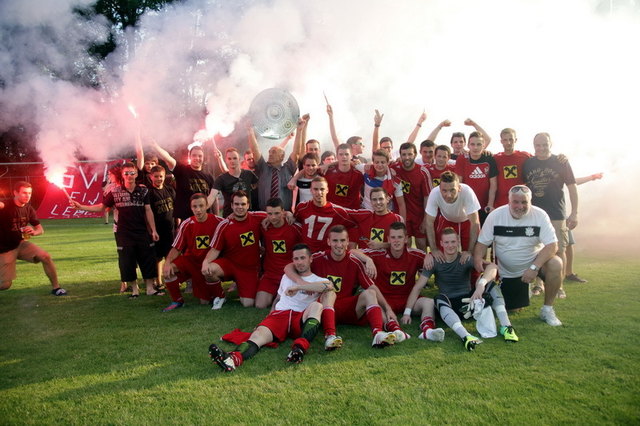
(398, 278)
(477, 173)
(336, 281)
(202, 242)
(279, 246)
(342, 190)
(406, 186)
(436, 181)
(377, 234)
(247, 239)
(510, 172)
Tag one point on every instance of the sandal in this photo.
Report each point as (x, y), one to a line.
(134, 296)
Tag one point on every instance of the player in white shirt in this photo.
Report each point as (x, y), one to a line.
(296, 314)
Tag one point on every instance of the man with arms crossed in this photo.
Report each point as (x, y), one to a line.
(296, 314)
(525, 246)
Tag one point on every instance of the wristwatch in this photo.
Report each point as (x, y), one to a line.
(534, 268)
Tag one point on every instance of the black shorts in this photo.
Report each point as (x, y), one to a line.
(515, 293)
(141, 254)
(454, 302)
(163, 245)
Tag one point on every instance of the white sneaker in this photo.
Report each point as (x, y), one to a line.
(217, 303)
(382, 339)
(433, 334)
(332, 342)
(549, 316)
(401, 336)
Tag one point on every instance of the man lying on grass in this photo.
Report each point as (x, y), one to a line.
(296, 315)
(452, 278)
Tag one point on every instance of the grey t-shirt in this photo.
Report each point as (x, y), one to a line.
(453, 277)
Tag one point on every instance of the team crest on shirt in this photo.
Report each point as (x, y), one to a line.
(398, 278)
(510, 172)
(436, 181)
(202, 242)
(377, 234)
(406, 186)
(529, 231)
(336, 281)
(342, 190)
(279, 246)
(247, 239)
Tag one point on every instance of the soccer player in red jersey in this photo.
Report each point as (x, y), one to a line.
(416, 185)
(189, 248)
(374, 225)
(317, 216)
(296, 314)
(509, 164)
(480, 172)
(345, 305)
(345, 182)
(441, 164)
(235, 249)
(278, 238)
(397, 267)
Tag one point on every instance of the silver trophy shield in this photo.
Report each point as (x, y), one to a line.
(274, 113)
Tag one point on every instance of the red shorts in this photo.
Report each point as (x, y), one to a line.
(269, 283)
(283, 324)
(463, 229)
(345, 309)
(191, 267)
(246, 278)
(413, 227)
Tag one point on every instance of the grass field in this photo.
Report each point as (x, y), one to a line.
(96, 357)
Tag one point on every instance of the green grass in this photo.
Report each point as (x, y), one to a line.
(97, 357)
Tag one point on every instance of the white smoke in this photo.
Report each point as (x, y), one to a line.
(567, 68)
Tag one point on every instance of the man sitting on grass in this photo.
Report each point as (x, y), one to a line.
(452, 278)
(296, 315)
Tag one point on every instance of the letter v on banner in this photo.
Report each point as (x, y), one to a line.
(87, 185)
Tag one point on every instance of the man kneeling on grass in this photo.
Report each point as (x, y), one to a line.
(296, 314)
(452, 278)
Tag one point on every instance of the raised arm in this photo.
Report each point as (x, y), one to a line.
(164, 155)
(253, 144)
(218, 154)
(414, 134)
(486, 137)
(298, 143)
(139, 152)
(434, 133)
(377, 120)
(332, 128)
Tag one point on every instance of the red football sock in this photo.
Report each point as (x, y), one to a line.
(237, 358)
(302, 342)
(392, 325)
(214, 289)
(328, 321)
(374, 316)
(427, 323)
(174, 290)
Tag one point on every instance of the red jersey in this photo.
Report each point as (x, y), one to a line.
(509, 174)
(316, 222)
(476, 174)
(346, 274)
(194, 238)
(345, 187)
(278, 243)
(416, 186)
(239, 241)
(435, 173)
(396, 277)
(373, 227)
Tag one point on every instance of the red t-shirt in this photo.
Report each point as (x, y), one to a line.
(239, 241)
(416, 186)
(317, 221)
(345, 187)
(194, 238)
(278, 243)
(396, 277)
(346, 274)
(476, 174)
(374, 227)
(509, 174)
(435, 173)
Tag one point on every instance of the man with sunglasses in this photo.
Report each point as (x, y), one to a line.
(525, 246)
